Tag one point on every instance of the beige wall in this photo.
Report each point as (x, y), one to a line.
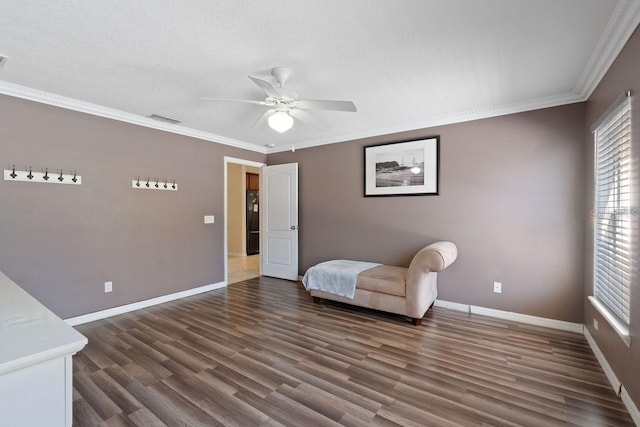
(622, 75)
(61, 243)
(511, 198)
(235, 210)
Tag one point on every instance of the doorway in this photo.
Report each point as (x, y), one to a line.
(242, 220)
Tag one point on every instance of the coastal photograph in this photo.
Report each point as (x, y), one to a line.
(400, 169)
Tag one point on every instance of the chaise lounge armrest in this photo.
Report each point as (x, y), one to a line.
(421, 287)
(435, 257)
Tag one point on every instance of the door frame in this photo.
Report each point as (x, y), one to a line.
(243, 162)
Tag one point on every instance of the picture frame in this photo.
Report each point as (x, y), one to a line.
(406, 168)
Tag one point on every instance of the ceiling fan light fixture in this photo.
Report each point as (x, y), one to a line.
(280, 121)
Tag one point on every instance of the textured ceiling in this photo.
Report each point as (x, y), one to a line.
(405, 64)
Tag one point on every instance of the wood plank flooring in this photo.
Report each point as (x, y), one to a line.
(261, 353)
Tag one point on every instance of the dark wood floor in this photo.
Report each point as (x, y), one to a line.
(261, 353)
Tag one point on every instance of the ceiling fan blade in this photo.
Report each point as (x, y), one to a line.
(274, 91)
(317, 104)
(266, 86)
(244, 101)
(263, 119)
(307, 118)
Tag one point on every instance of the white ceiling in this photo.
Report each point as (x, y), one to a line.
(405, 64)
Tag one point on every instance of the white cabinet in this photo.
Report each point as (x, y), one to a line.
(36, 348)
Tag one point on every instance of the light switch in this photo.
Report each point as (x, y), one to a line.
(209, 219)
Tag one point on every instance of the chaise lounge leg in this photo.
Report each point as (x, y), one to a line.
(418, 322)
(316, 300)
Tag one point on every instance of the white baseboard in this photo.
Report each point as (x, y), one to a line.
(617, 386)
(631, 406)
(452, 305)
(531, 320)
(509, 315)
(611, 376)
(90, 317)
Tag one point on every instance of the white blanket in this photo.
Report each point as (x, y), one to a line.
(336, 277)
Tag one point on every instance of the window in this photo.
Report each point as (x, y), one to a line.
(614, 222)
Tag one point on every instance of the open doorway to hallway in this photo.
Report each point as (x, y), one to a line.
(243, 267)
(243, 223)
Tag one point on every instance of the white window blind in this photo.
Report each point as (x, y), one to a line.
(614, 226)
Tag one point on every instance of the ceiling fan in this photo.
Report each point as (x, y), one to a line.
(285, 105)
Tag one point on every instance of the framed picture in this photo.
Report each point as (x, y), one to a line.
(410, 168)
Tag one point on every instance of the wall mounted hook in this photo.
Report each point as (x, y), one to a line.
(28, 175)
(158, 183)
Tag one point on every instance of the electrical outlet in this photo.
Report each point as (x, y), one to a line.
(595, 323)
(108, 286)
(497, 287)
(209, 219)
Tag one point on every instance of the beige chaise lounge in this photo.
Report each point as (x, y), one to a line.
(406, 291)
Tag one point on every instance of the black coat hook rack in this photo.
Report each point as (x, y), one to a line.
(154, 184)
(28, 175)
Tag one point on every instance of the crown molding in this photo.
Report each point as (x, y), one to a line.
(623, 22)
(48, 98)
(447, 119)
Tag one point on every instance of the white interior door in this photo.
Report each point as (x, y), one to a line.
(279, 202)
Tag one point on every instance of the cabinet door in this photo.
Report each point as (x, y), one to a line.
(36, 395)
(253, 181)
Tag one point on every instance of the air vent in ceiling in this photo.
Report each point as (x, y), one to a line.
(164, 119)
(3, 60)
